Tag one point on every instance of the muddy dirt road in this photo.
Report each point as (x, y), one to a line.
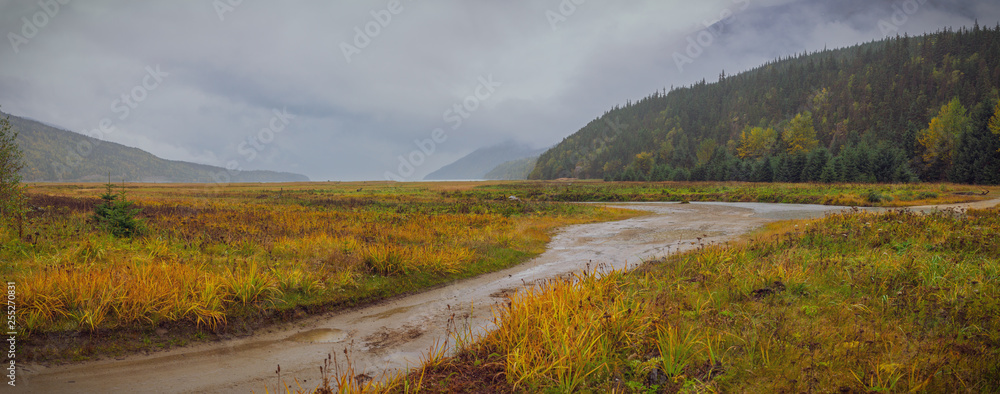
(394, 334)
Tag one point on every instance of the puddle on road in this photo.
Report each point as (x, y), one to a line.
(388, 313)
(322, 335)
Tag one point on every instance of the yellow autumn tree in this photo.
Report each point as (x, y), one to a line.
(667, 148)
(644, 162)
(756, 142)
(705, 150)
(800, 135)
(995, 120)
(939, 139)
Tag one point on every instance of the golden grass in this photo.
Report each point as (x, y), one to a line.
(556, 336)
(253, 249)
(93, 297)
(855, 302)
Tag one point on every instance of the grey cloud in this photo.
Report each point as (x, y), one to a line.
(355, 119)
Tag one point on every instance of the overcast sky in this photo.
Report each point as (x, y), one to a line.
(202, 79)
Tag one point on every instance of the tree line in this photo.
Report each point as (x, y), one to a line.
(897, 110)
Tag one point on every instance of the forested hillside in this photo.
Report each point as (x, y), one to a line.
(896, 110)
(54, 155)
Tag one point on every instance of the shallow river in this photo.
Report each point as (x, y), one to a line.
(395, 334)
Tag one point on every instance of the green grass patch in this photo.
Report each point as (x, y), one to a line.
(825, 194)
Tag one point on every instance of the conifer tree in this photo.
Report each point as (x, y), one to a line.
(762, 171)
(829, 174)
(815, 163)
(977, 155)
(117, 215)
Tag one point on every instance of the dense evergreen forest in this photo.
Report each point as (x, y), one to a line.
(901, 109)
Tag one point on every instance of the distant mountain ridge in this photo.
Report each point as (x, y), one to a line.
(483, 160)
(514, 170)
(55, 155)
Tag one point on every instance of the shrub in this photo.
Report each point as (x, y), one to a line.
(875, 197)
